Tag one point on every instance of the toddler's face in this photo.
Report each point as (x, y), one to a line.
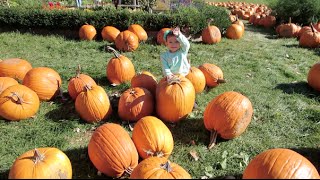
(172, 43)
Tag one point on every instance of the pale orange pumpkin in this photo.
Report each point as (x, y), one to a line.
(313, 76)
(280, 163)
(110, 33)
(42, 163)
(234, 31)
(93, 104)
(213, 74)
(228, 115)
(18, 102)
(127, 41)
(159, 168)
(146, 80)
(112, 151)
(160, 34)
(174, 98)
(14, 67)
(135, 103)
(152, 138)
(45, 81)
(77, 83)
(197, 79)
(87, 32)
(119, 68)
(138, 30)
(6, 82)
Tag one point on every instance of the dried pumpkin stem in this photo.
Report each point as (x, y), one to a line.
(219, 81)
(174, 80)
(37, 156)
(213, 138)
(78, 71)
(166, 167)
(19, 99)
(128, 170)
(116, 54)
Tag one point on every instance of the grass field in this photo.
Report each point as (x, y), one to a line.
(271, 72)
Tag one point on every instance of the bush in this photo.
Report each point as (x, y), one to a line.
(301, 11)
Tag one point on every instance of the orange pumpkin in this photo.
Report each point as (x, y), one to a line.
(145, 80)
(152, 138)
(234, 31)
(45, 81)
(228, 115)
(93, 104)
(42, 163)
(288, 30)
(135, 103)
(238, 22)
(160, 34)
(14, 67)
(310, 39)
(109, 33)
(87, 32)
(18, 102)
(112, 151)
(280, 163)
(6, 82)
(127, 41)
(77, 83)
(139, 31)
(159, 168)
(313, 76)
(211, 34)
(119, 68)
(174, 98)
(213, 74)
(197, 79)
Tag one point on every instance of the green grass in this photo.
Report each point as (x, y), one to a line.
(271, 72)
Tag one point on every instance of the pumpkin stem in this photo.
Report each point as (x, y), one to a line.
(210, 21)
(19, 99)
(159, 154)
(213, 138)
(174, 80)
(219, 81)
(37, 156)
(289, 20)
(87, 87)
(116, 54)
(78, 71)
(132, 91)
(166, 167)
(128, 170)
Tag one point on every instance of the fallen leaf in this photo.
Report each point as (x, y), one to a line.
(194, 154)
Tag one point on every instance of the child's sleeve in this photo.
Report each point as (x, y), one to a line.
(165, 67)
(185, 45)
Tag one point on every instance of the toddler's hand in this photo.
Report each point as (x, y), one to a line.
(176, 31)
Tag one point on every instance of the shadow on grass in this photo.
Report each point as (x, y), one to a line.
(298, 88)
(312, 154)
(269, 33)
(230, 176)
(4, 174)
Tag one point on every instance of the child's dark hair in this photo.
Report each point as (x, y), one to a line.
(169, 33)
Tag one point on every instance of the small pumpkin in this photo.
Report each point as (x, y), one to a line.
(159, 168)
(160, 35)
(280, 163)
(197, 79)
(152, 138)
(313, 76)
(213, 74)
(16, 68)
(42, 163)
(228, 114)
(87, 32)
(138, 30)
(145, 79)
(288, 30)
(211, 34)
(109, 33)
(6, 82)
(112, 151)
(310, 39)
(234, 31)
(127, 41)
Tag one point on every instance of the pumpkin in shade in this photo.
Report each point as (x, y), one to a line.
(112, 151)
(6, 82)
(160, 35)
(119, 68)
(228, 115)
(197, 79)
(109, 33)
(152, 138)
(159, 168)
(280, 163)
(18, 102)
(127, 41)
(313, 76)
(93, 104)
(174, 98)
(14, 67)
(310, 39)
(42, 163)
(234, 31)
(139, 31)
(45, 81)
(77, 83)
(135, 103)
(146, 80)
(87, 32)
(288, 30)
(213, 74)
(211, 34)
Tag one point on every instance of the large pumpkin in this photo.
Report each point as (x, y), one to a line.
(288, 30)
(313, 76)
(119, 68)
(160, 34)
(159, 168)
(211, 34)
(93, 104)
(45, 81)
(310, 39)
(197, 79)
(174, 98)
(112, 151)
(280, 163)
(109, 33)
(87, 32)
(213, 74)
(228, 115)
(127, 41)
(18, 102)
(14, 67)
(42, 163)
(139, 31)
(146, 80)
(6, 82)
(152, 138)
(77, 83)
